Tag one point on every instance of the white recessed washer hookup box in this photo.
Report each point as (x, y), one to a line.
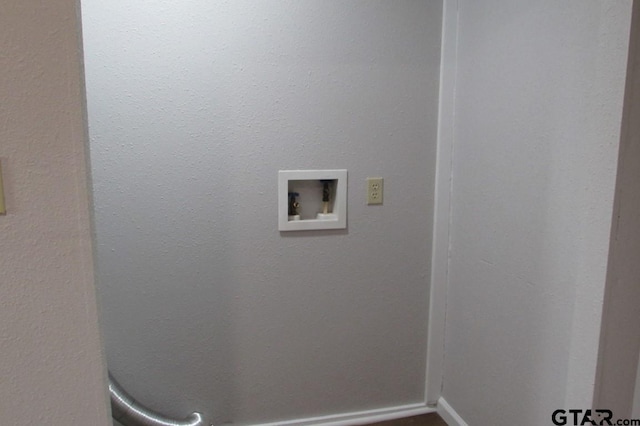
(312, 199)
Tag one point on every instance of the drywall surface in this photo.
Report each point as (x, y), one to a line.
(537, 124)
(635, 408)
(621, 319)
(193, 109)
(51, 366)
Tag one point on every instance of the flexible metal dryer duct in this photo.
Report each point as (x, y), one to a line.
(131, 413)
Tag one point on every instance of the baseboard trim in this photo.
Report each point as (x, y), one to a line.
(449, 415)
(359, 417)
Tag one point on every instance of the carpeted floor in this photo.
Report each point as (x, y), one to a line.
(424, 420)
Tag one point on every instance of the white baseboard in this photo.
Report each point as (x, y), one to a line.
(359, 417)
(449, 415)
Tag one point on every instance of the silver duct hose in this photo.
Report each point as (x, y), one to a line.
(131, 413)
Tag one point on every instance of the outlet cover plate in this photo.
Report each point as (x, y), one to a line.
(375, 187)
(3, 209)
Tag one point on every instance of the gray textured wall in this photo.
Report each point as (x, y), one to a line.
(538, 111)
(620, 341)
(193, 108)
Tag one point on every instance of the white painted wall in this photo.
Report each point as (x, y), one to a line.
(193, 108)
(51, 365)
(620, 342)
(537, 124)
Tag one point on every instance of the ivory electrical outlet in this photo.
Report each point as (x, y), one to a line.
(374, 190)
(3, 210)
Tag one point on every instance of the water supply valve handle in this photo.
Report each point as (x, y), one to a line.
(293, 204)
